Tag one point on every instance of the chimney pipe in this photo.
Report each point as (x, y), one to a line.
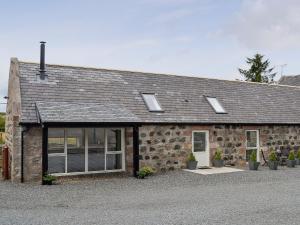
(42, 61)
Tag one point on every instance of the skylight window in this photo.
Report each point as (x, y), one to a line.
(151, 102)
(214, 102)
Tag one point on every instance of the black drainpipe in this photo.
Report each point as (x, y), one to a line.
(24, 129)
(44, 152)
(136, 153)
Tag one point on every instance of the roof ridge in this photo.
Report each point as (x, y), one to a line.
(164, 74)
(291, 75)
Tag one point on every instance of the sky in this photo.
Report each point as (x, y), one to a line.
(206, 38)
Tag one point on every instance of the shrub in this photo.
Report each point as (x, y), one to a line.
(144, 172)
(218, 154)
(273, 156)
(291, 155)
(48, 179)
(148, 170)
(141, 174)
(191, 157)
(253, 156)
(298, 154)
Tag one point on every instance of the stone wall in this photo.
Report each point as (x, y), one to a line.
(12, 128)
(33, 154)
(129, 150)
(167, 147)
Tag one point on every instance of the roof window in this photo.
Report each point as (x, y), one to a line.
(215, 104)
(151, 102)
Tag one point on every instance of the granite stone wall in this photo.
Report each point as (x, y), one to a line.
(12, 128)
(33, 154)
(163, 147)
(129, 151)
(167, 147)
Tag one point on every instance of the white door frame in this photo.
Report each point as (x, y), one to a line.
(257, 144)
(202, 157)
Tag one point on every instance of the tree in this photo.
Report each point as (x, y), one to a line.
(2, 122)
(259, 70)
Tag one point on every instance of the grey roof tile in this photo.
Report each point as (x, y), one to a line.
(290, 80)
(77, 94)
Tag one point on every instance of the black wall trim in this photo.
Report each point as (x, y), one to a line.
(66, 125)
(23, 130)
(45, 151)
(129, 124)
(136, 151)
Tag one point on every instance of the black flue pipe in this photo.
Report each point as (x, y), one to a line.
(42, 60)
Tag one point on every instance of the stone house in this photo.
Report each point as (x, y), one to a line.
(68, 120)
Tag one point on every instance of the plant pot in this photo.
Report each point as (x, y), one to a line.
(253, 165)
(192, 165)
(290, 163)
(218, 163)
(273, 165)
(297, 161)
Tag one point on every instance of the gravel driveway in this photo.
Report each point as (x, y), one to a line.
(264, 197)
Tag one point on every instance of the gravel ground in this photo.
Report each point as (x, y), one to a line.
(263, 197)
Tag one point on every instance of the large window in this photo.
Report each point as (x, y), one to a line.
(56, 151)
(96, 149)
(82, 150)
(252, 143)
(75, 150)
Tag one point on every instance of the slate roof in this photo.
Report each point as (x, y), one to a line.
(69, 112)
(290, 80)
(77, 94)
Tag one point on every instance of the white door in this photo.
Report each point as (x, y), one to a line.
(201, 147)
(252, 144)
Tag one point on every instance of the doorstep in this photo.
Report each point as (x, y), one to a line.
(214, 170)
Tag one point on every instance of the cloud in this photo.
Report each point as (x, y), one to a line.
(172, 16)
(272, 24)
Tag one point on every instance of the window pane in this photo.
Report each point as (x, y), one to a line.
(114, 161)
(114, 140)
(75, 150)
(216, 105)
(151, 102)
(56, 138)
(251, 139)
(199, 141)
(56, 164)
(96, 151)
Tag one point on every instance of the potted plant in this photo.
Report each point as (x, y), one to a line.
(273, 161)
(291, 161)
(298, 157)
(48, 179)
(192, 163)
(253, 164)
(217, 160)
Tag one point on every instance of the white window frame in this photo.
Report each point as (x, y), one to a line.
(149, 109)
(122, 152)
(253, 148)
(223, 111)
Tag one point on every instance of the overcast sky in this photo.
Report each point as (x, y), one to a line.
(189, 37)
